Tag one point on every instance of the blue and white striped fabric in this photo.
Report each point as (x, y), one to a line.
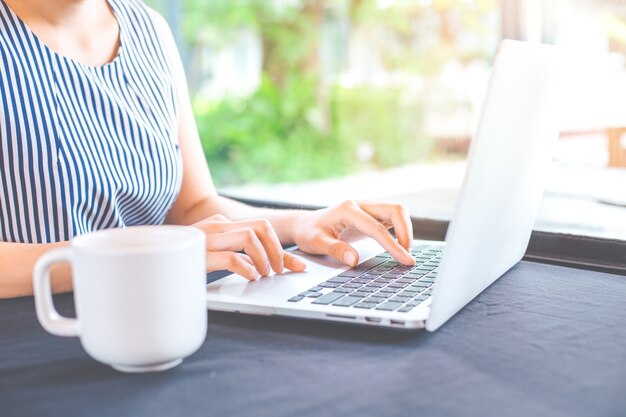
(85, 148)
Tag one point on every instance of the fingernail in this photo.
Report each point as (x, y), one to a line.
(410, 259)
(349, 258)
(298, 263)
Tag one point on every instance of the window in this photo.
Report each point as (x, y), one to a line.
(312, 101)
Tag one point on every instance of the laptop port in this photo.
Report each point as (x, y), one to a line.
(339, 316)
(373, 319)
(397, 322)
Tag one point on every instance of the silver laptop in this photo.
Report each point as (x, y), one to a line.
(488, 234)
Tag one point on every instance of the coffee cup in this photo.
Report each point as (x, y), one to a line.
(139, 292)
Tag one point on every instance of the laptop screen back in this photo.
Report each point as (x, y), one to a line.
(507, 165)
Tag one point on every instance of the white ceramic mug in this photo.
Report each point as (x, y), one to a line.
(140, 295)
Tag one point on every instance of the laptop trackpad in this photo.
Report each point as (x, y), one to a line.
(286, 285)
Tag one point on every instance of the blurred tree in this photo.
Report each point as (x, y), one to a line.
(299, 125)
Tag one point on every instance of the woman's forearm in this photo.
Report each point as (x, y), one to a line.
(16, 269)
(17, 260)
(283, 221)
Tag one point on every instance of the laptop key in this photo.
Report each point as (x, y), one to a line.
(389, 290)
(401, 296)
(314, 294)
(369, 276)
(350, 273)
(339, 280)
(296, 299)
(329, 284)
(399, 299)
(365, 305)
(406, 309)
(389, 306)
(369, 264)
(351, 285)
(328, 298)
(346, 301)
(343, 290)
(381, 268)
(360, 294)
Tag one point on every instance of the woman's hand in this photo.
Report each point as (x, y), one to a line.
(225, 240)
(318, 232)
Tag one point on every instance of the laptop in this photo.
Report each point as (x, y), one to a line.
(488, 234)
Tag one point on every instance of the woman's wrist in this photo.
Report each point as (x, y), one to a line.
(288, 225)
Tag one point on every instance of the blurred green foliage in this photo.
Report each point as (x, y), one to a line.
(387, 122)
(270, 136)
(296, 127)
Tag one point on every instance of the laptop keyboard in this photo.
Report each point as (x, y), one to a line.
(380, 283)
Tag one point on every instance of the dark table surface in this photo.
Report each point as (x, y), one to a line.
(541, 341)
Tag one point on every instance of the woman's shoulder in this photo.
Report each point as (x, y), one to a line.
(147, 12)
(158, 20)
(139, 20)
(10, 30)
(134, 10)
(5, 20)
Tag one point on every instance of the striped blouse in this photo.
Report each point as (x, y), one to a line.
(85, 148)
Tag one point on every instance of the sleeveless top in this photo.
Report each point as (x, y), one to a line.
(85, 148)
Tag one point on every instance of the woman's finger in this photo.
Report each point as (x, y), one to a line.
(364, 223)
(266, 235)
(246, 258)
(243, 239)
(293, 263)
(233, 262)
(213, 224)
(327, 245)
(394, 214)
(219, 218)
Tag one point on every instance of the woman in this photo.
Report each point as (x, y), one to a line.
(97, 131)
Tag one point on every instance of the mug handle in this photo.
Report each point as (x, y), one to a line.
(48, 316)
